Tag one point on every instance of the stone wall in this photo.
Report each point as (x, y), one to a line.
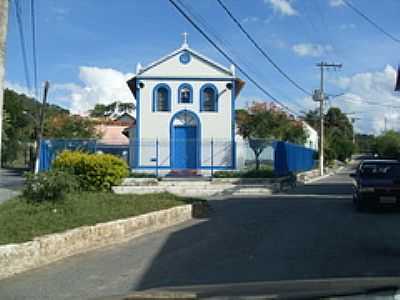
(17, 258)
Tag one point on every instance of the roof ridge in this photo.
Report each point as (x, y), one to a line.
(184, 47)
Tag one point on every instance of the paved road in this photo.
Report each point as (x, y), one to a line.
(11, 183)
(312, 232)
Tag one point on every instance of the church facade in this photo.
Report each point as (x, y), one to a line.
(185, 113)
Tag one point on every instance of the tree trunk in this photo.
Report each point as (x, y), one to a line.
(258, 162)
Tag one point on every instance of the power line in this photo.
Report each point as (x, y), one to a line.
(18, 11)
(373, 23)
(262, 51)
(223, 53)
(35, 71)
(228, 46)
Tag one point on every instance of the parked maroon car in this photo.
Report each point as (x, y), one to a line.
(377, 183)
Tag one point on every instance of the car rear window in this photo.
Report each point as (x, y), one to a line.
(384, 171)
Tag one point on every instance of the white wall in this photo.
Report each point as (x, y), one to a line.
(214, 125)
(312, 140)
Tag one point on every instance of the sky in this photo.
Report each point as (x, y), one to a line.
(88, 49)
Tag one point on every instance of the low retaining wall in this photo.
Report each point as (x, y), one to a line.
(17, 258)
(206, 188)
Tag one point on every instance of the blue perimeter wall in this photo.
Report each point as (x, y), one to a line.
(292, 158)
(50, 148)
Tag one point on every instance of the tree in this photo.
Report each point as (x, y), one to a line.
(338, 133)
(260, 124)
(365, 143)
(21, 129)
(102, 110)
(388, 144)
(98, 111)
(67, 127)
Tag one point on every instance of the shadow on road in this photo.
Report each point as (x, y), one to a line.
(325, 188)
(247, 240)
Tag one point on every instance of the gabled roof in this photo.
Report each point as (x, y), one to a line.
(226, 72)
(186, 48)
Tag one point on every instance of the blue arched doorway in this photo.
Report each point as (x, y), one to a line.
(185, 140)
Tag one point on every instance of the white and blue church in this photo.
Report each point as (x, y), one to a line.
(185, 113)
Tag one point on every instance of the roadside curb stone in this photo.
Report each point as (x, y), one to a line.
(17, 258)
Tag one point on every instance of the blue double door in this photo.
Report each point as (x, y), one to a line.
(184, 147)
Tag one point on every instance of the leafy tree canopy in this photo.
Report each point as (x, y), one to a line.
(338, 142)
(259, 124)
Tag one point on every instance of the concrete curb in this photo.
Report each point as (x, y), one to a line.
(333, 172)
(17, 258)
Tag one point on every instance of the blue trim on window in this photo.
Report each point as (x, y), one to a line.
(154, 104)
(185, 85)
(198, 137)
(208, 85)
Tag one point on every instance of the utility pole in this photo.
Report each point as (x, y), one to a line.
(353, 120)
(41, 125)
(385, 124)
(3, 37)
(320, 97)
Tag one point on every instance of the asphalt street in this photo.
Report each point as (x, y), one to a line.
(11, 183)
(311, 232)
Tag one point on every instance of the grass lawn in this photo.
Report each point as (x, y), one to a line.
(21, 220)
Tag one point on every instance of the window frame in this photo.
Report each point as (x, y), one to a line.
(180, 88)
(155, 99)
(212, 86)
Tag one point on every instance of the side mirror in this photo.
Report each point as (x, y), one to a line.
(353, 175)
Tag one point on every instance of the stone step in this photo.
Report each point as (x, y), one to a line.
(182, 191)
(253, 191)
(139, 181)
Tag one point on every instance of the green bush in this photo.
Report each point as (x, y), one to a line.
(265, 172)
(95, 172)
(48, 186)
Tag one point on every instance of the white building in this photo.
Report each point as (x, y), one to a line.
(312, 137)
(185, 113)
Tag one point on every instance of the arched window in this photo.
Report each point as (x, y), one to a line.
(208, 98)
(162, 98)
(185, 93)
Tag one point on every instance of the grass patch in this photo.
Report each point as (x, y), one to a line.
(265, 172)
(22, 220)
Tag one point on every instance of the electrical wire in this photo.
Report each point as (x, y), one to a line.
(34, 54)
(223, 53)
(18, 12)
(373, 23)
(262, 51)
(227, 45)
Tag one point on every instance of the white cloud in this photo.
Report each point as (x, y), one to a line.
(99, 85)
(284, 7)
(313, 50)
(336, 3)
(374, 87)
(19, 88)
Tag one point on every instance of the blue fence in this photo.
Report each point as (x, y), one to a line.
(284, 157)
(50, 148)
(291, 158)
